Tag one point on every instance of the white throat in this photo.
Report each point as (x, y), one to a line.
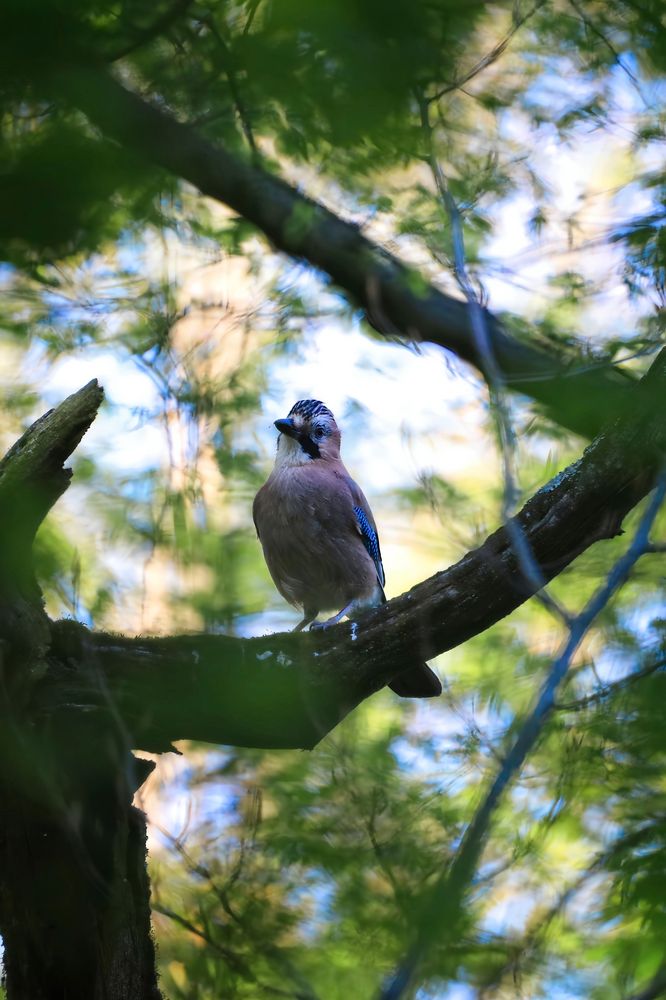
(289, 453)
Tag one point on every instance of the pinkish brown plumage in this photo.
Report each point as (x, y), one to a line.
(318, 533)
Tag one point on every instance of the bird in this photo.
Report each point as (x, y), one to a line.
(318, 535)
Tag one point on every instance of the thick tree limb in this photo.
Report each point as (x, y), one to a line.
(289, 690)
(396, 299)
(32, 478)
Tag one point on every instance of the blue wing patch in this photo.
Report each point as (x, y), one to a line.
(370, 540)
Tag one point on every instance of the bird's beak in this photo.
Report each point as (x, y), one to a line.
(287, 426)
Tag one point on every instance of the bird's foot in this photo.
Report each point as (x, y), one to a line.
(317, 626)
(307, 618)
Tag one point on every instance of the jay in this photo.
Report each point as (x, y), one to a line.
(318, 534)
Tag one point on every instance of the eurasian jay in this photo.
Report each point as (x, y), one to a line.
(318, 533)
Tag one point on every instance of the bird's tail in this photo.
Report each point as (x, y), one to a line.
(417, 681)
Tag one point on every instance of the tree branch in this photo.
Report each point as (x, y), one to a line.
(501, 413)
(609, 690)
(289, 690)
(394, 297)
(32, 478)
(617, 58)
(490, 57)
(160, 25)
(33, 467)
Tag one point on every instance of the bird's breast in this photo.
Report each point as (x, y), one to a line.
(312, 547)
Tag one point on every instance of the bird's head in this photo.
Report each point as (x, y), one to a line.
(309, 433)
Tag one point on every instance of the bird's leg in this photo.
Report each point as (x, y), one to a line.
(309, 614)
(336, 618)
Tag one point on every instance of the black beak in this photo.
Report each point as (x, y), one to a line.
(287, 427)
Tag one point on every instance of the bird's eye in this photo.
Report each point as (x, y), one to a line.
(319, 432)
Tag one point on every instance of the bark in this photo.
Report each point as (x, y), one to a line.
(396, 299)
(74, 909)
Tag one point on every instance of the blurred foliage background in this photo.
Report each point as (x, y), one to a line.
(294, 874)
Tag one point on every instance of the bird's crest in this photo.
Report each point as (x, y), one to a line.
(309, 409)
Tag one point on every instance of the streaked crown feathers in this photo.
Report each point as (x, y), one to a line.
(309, 409)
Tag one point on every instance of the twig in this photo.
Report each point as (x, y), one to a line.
(233, 960)
(254, 7)
(505, 434)
(611, 48)
(241, 110)
(273, 953)
(153, 30)
(610, 689)
(488, 59)
(441, 914)
(535, 934)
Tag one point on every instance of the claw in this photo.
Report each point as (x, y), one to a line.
(308, 615)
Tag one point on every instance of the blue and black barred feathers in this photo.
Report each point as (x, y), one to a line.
(309, 408)
(371, 542)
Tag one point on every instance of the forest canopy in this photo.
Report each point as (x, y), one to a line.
(446, 220)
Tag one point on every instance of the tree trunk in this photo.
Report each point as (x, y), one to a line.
(74, 897)
(74, 902)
